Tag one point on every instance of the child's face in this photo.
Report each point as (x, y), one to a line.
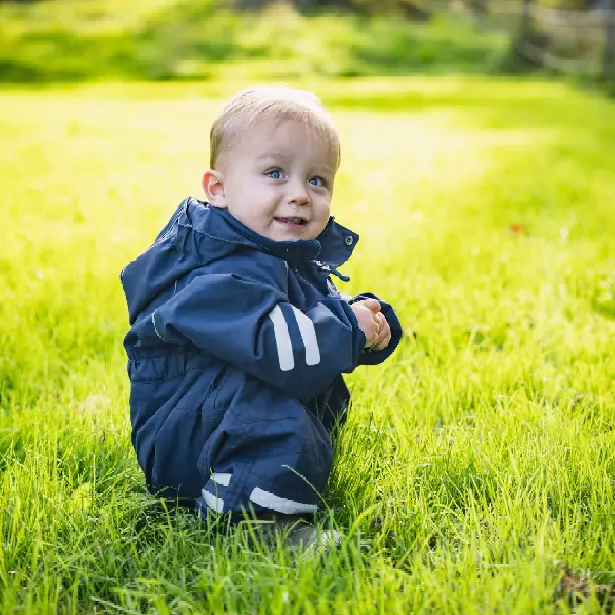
(277, 180)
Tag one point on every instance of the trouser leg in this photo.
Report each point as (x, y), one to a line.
(268, 455)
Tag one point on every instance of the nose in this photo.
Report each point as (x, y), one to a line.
(298, 194)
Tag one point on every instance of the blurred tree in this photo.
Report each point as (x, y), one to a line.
(413, 9)
(608, 69)
(298, 4)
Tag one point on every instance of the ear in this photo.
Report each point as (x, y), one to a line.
(213, 185)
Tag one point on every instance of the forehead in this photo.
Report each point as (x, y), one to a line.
(286, 139)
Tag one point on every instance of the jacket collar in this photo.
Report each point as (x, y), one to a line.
(333, 247)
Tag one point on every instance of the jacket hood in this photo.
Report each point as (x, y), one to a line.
(198, 234)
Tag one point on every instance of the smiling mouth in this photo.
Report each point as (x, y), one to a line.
(292, 221)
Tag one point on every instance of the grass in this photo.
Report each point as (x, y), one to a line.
(72, 41)
(477, 458)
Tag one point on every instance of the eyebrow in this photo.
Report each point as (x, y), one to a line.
(270, 155)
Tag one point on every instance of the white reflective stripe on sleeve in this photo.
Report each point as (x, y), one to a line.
(216, 504)
(156, 330)
(266, 499)
(308, 335)
(282, 339)
(221, 478)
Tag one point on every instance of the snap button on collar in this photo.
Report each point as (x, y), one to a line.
(349, 240)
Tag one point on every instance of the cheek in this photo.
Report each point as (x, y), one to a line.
(322, 218)
(232, 194)
(324, 210)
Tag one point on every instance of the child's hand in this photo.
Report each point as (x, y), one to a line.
(384, 333)
(373, 323)
(366, 312)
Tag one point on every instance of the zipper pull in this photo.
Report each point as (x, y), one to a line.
(341, 276)
(324, 267)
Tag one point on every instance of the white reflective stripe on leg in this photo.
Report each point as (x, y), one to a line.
(266, 499)
(282, 339)
(216, 504)
(308, 335)
(221, 478)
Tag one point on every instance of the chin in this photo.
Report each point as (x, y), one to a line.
(281, 236)
(288, 238)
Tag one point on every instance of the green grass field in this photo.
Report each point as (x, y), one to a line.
(474, 463)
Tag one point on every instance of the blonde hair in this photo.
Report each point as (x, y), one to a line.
(279, 103)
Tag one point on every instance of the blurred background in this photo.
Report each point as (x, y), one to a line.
(51, 41)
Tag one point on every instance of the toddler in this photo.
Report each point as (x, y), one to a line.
(239, 338)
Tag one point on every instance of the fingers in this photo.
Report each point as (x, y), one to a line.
(384, 333)
(384, 339)
(368, 323)
(375, 332)
(373, 323)
(371, 304)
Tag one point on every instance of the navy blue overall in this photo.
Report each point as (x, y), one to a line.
(235, 354)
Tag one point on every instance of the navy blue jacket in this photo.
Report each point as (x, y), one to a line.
(223, 318)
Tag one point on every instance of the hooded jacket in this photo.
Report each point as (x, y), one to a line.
(226, 322)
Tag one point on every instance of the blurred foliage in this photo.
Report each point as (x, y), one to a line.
(418, 9)
(71, 40)
(411, 8)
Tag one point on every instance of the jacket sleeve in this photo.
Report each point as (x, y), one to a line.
(250, 323)
(374, 357)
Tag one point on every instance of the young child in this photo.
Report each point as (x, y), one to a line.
(238, 335)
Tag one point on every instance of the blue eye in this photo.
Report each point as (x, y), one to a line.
(274, 174)
(318, 181)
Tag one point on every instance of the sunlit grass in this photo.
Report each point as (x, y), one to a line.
(472, 461)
